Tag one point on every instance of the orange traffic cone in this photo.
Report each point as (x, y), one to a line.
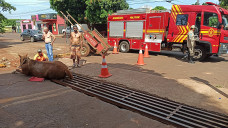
(115, 49)
(140, 58)
(104, 69)
(146, 53)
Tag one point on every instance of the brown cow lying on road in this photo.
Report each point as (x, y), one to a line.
(49, 70)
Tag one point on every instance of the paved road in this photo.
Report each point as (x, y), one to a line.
(27, 104)
(203, 84)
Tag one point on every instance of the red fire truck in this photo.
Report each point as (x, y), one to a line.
(168, 30)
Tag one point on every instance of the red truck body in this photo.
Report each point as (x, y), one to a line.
(168, 30)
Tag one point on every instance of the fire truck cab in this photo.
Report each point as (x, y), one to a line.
(168, 30)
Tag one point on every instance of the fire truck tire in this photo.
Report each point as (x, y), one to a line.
(85, 50)
(124, 46)
(200, 53)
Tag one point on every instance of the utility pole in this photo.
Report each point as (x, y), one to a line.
(198, 3)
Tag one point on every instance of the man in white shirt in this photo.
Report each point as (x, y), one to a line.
(49, 39)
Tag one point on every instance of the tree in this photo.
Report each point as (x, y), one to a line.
(4, 7)
(75, 7)
(199, 4)
(204, 4)
(97, 11)
(159, 8)
(224, 3)
(9, 22)
(196, 3)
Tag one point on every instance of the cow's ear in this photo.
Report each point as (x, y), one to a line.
(19, 55)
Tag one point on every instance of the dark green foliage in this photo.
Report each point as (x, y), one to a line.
(75, 7)
(93, 11)
(97, 11)
(224, 3)
(4, 6)
(159, 8)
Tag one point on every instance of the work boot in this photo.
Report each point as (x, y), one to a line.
(191, 60)
(188, 58)
(185, 57)
(78, 65)
(74, 65)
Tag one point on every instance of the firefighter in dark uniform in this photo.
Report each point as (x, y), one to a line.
(191, 44)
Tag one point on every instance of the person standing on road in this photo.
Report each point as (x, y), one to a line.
(76, 42)
(191, 44)
(49, 39)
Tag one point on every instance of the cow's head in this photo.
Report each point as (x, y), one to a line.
(23, 59)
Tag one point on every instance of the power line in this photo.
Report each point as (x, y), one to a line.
(32, 11)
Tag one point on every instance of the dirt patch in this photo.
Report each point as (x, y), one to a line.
(11, 46)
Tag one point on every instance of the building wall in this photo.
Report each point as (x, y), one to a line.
(54, 25)
(8, 29)
(60, 20)
(26, 25)
(60, 24)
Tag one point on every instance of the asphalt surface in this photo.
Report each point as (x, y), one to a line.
(25, 104)
(203, 84)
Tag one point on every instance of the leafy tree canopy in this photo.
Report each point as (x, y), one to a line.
(75, 7)
(199, 4)
(4, 6)
(97, 11)
(159, 8)
(224, 3)
(94, 11)
(9, 22)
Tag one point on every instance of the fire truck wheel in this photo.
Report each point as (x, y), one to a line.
(85, 50)
(200, 53)
(124, 46)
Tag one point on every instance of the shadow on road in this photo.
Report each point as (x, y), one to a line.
(5, 44)
(132, 68)
(211, 86)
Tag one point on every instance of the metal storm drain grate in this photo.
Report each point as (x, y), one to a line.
(151, 106)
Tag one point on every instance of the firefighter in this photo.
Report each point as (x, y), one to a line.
(191, 44)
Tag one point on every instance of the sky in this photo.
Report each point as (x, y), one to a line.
(26, 8)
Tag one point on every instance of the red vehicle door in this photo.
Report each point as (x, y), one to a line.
(224, 29)
(209, 31)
